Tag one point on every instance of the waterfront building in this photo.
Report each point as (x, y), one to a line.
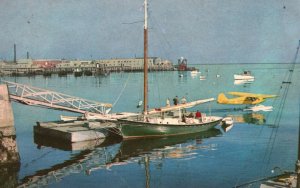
(134, 64)
(1, 64)
(21, 66)
(46, 63)
(65, 64)
(55, 65)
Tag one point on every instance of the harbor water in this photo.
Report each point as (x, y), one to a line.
(223, 157)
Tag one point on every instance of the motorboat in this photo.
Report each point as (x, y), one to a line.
(246, 75)
(202, 77)
(227, 121)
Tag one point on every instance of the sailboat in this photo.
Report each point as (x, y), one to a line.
(164, 121)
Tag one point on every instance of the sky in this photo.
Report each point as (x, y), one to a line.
(203, 31)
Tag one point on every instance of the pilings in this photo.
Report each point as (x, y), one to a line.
(8, 147)
(9, 155)
(6, 113)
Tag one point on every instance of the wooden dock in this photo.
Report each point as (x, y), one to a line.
(74, 131)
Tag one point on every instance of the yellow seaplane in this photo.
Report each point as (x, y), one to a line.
(243, 98)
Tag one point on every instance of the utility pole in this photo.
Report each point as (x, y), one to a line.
(15, 53)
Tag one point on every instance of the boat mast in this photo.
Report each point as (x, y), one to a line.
(145, 58)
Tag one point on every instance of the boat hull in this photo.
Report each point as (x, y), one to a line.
(135, 129)
(243, 77)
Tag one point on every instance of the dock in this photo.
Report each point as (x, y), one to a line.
(6, 113)
(9, 151)
(75, 131)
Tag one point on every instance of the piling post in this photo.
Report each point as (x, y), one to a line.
(8, 148)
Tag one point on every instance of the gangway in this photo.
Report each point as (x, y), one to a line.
(34, 96)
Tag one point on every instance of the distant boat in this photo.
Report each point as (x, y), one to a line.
(227, 121)
(194, 72)
(202, 77)
(164, 121)
(78, 72)
(139, 104)
(246, 75)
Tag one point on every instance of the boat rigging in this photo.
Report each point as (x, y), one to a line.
(164, 121)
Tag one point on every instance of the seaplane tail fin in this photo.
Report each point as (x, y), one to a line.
(222, 99)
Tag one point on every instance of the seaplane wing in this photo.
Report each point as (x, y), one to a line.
(179, 106)
(222, 99)
(244, 94)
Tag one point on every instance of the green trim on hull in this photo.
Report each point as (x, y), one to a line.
(133, 129)
(137, 147)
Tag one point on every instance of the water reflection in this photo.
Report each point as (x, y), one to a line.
(251, 118)
(181, 146)
(9, 160)
(9, 175)
(109, 154)
(84, 160)
(182, 76)
(63, 145)
(243, 82)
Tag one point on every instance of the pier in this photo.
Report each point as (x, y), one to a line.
(75, 131)
(8, 146)
(34, 96)
(95, 124)
(47, 67)
(9, 155)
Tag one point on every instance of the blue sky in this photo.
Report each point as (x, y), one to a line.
(203, 31)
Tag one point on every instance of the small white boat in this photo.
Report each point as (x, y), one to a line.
(227, 121)
(240, 82)
(194, 72)
(139, 104)
(180, 75)
(245, 76)
(202, 77)
(257, 108)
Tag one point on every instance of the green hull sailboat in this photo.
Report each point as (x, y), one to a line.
(149, 124)
(135, 129)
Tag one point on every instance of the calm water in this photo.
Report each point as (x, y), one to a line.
(248, 151)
